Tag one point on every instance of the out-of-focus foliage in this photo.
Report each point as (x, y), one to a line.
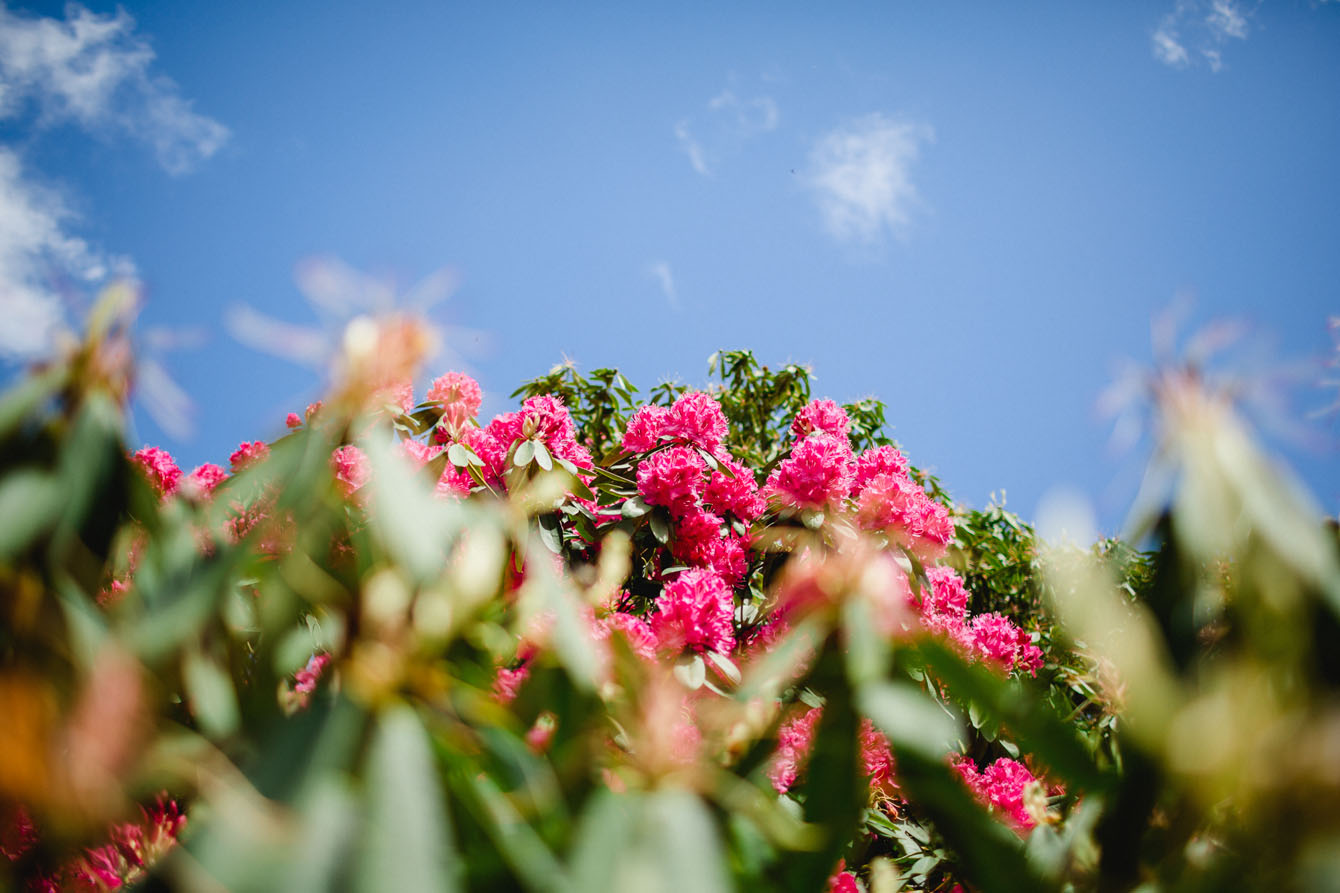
(731, 641)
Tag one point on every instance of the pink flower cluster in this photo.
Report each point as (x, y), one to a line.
(162, 471)
(694, 419)
(134, 847)
(350, 465)
(1003, 787)
(460, 398)
(543, 418)
(877, 760)
(248, 454)
(822, 473)
(695, 613)
(821, 415)
(673, 478)
(898, 505)
(795, 740)
(989, 637)
(817, 474)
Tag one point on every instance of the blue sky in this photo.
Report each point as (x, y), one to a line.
(970, 210)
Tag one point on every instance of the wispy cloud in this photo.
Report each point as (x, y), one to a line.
(95, 71)
(1196, 31)
(36, 252)
(860, 174)
(660, 271)
(692, 148)
(730, 121)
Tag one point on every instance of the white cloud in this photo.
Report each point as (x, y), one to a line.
(35, 251)
(692, 148)
(660, 271)
(1196, 29)
(1166, 48)
(730, 122)
(861, 177)
(95, 71)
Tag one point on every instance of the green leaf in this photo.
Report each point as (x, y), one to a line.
(460, 455)
(542, 457)
(524, 850)
(660, 526)
(209, 689)
(30, 503)
(726, 665)
(635, 507)
(407, 836)
(910, 718)
(525, 451)
(410, 523)
(691, 671)
(551, 532)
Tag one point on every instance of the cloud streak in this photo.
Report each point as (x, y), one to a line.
(1195, 31)
(36, 252)
(94, 71)
(860, 176)
(660, 271)
(730, 122)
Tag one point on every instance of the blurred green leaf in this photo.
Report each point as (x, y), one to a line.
(210, 691)
(407, 840)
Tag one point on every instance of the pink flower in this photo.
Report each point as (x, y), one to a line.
(696, 418)
(672, 478)
(457, 388)
(695, 532)
(304, 681)
(644, 428)
(795, 740)
(821, 415)
(419, 454)
(248, 454)
(292, 420)
(877, 759)
(842, 880)
(817, 474)
(895, 503)
(543, 417)
(634, 629)
(159, 466)
(460, 397)
(947, 595)
(205, 478)
(880, 460)
(507, 682)
(542, 732)
(350, 465)
(399, 394)
(736, 492)
(1003, 787)
(19, 836)
(694, 612)
(999, 641)
(454, 482)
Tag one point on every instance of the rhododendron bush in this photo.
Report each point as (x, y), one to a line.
(718, 638)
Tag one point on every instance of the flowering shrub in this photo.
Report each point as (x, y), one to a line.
(725, 638)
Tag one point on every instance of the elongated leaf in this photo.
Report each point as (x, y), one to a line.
(1026, 714)
(210, 691)
(525, 451)
(407, 839)
(542, 456)
(910, 718)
